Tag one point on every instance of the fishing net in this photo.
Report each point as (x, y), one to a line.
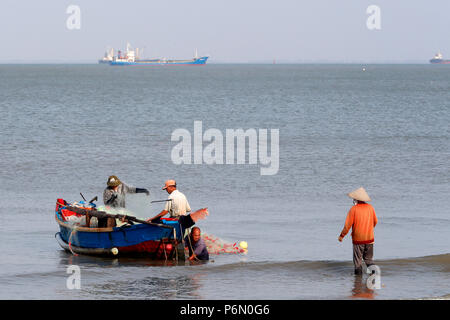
(113, 211)
(216, 245)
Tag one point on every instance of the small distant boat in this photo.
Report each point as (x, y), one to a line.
(438, 59)
(132, 58)
(161, 241)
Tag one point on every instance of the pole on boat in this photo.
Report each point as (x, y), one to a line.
(102, 214)
(160, 200)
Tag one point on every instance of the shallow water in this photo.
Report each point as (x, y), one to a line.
(65, 128)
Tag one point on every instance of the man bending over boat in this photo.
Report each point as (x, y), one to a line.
(177, 206)
(114, 196)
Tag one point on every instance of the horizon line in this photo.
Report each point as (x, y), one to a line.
(266, 62)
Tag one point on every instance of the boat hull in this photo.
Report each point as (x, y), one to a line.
(152, 241)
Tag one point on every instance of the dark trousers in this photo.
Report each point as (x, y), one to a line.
(362, 252)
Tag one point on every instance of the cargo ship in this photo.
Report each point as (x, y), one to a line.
(438, 58)
(132, 58)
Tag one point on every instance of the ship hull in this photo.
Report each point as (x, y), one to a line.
(160, 62)
(439, 61)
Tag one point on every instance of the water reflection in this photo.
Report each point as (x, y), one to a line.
(136, 278)
(179, 287)
(360, 289)
(85, 260)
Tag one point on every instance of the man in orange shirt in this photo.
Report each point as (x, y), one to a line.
(362, 219)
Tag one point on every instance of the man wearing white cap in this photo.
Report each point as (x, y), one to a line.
(362, 219)
(178, 204)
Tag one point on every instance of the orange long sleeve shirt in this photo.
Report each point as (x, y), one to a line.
(362, 219)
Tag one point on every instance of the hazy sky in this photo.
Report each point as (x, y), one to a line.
(227, 30)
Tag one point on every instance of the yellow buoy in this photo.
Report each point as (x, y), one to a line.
(243, 245)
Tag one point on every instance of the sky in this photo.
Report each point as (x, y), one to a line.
(244, 31)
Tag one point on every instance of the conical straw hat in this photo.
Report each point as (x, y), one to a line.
(359, 194)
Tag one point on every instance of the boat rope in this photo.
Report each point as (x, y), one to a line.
(190, 245)
(184, 233)
(175, 242)
(165, 253)
(70, 241)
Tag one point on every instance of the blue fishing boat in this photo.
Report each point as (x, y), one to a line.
(153, 240)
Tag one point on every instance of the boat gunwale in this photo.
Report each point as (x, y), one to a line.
(84, 229)
(109, 229)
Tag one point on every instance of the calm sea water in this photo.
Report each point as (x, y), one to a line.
(65, 128)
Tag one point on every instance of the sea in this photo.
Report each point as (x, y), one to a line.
(65, 128)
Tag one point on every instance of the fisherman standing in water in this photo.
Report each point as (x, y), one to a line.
(362, 219)
(114, 196)
(196, 245)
